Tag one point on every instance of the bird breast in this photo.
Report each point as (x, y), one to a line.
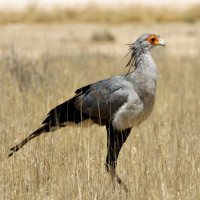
(138, 108)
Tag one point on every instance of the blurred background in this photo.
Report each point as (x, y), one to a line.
(48, 49)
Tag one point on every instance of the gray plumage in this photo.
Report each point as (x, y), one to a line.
(120, 102)
(128, 99)
(104, 98)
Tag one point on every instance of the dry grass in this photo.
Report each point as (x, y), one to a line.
(97, 14)
(160, 160)
(102, 36)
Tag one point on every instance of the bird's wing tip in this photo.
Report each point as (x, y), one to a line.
(13, 149)
(10, 154)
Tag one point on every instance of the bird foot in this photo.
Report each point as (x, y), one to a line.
(115, 177)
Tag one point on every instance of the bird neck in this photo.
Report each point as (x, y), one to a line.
(145, 65)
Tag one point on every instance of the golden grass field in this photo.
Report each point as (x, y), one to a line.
(101, 14)
(42, 65)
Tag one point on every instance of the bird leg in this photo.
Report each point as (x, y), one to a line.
(115, 140)
(115, 178)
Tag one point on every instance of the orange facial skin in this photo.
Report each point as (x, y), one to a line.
(153, 40)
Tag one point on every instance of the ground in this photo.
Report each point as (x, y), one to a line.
(42, 65)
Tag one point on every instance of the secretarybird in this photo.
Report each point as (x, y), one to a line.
(119, 103)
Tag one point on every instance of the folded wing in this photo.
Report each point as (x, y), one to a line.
(102, 99)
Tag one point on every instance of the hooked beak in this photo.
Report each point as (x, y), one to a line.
(160, 42)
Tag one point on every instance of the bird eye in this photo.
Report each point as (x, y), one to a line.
(153, 39)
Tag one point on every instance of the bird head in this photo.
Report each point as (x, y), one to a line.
(143, 44)
(147, 41)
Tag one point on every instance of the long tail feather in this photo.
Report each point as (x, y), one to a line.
(36, 133)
